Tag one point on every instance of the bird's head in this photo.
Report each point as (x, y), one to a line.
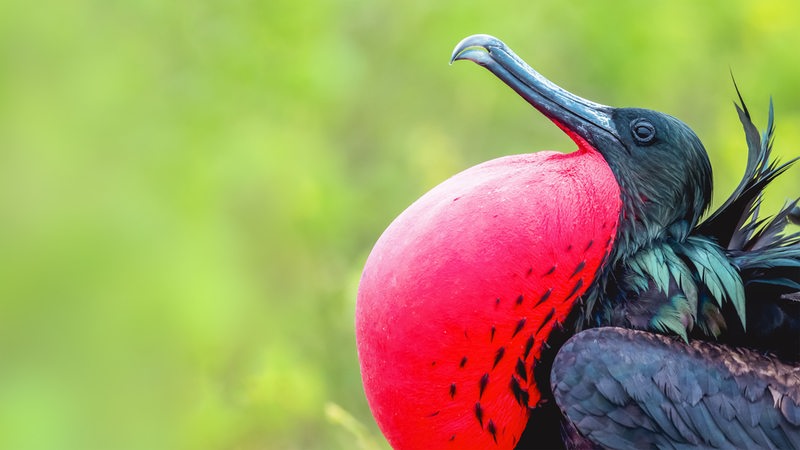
(660, 164)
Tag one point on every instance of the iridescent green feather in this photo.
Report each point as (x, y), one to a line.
(671, 317)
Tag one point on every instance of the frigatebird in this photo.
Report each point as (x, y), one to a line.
(679, 332)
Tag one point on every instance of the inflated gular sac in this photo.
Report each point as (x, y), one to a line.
(461, 291)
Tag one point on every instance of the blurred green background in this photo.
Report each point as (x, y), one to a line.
(189, 189)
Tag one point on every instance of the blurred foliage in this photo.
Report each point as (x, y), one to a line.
(189, 189)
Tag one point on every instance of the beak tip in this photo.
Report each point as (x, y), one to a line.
(472, 47)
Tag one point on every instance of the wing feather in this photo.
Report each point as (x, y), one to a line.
(657, 391)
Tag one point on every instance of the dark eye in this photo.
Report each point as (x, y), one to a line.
(643, 131)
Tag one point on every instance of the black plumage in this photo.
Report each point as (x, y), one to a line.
(727, 289)
(730, 278)
(664, 393)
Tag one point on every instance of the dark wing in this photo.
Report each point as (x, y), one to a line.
(633, 389)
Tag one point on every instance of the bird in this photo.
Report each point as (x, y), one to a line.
(581, 299)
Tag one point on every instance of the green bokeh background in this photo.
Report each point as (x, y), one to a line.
(189, 189)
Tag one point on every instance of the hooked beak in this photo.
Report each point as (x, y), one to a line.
(581, 119)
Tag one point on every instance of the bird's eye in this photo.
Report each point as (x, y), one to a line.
(643, 131)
